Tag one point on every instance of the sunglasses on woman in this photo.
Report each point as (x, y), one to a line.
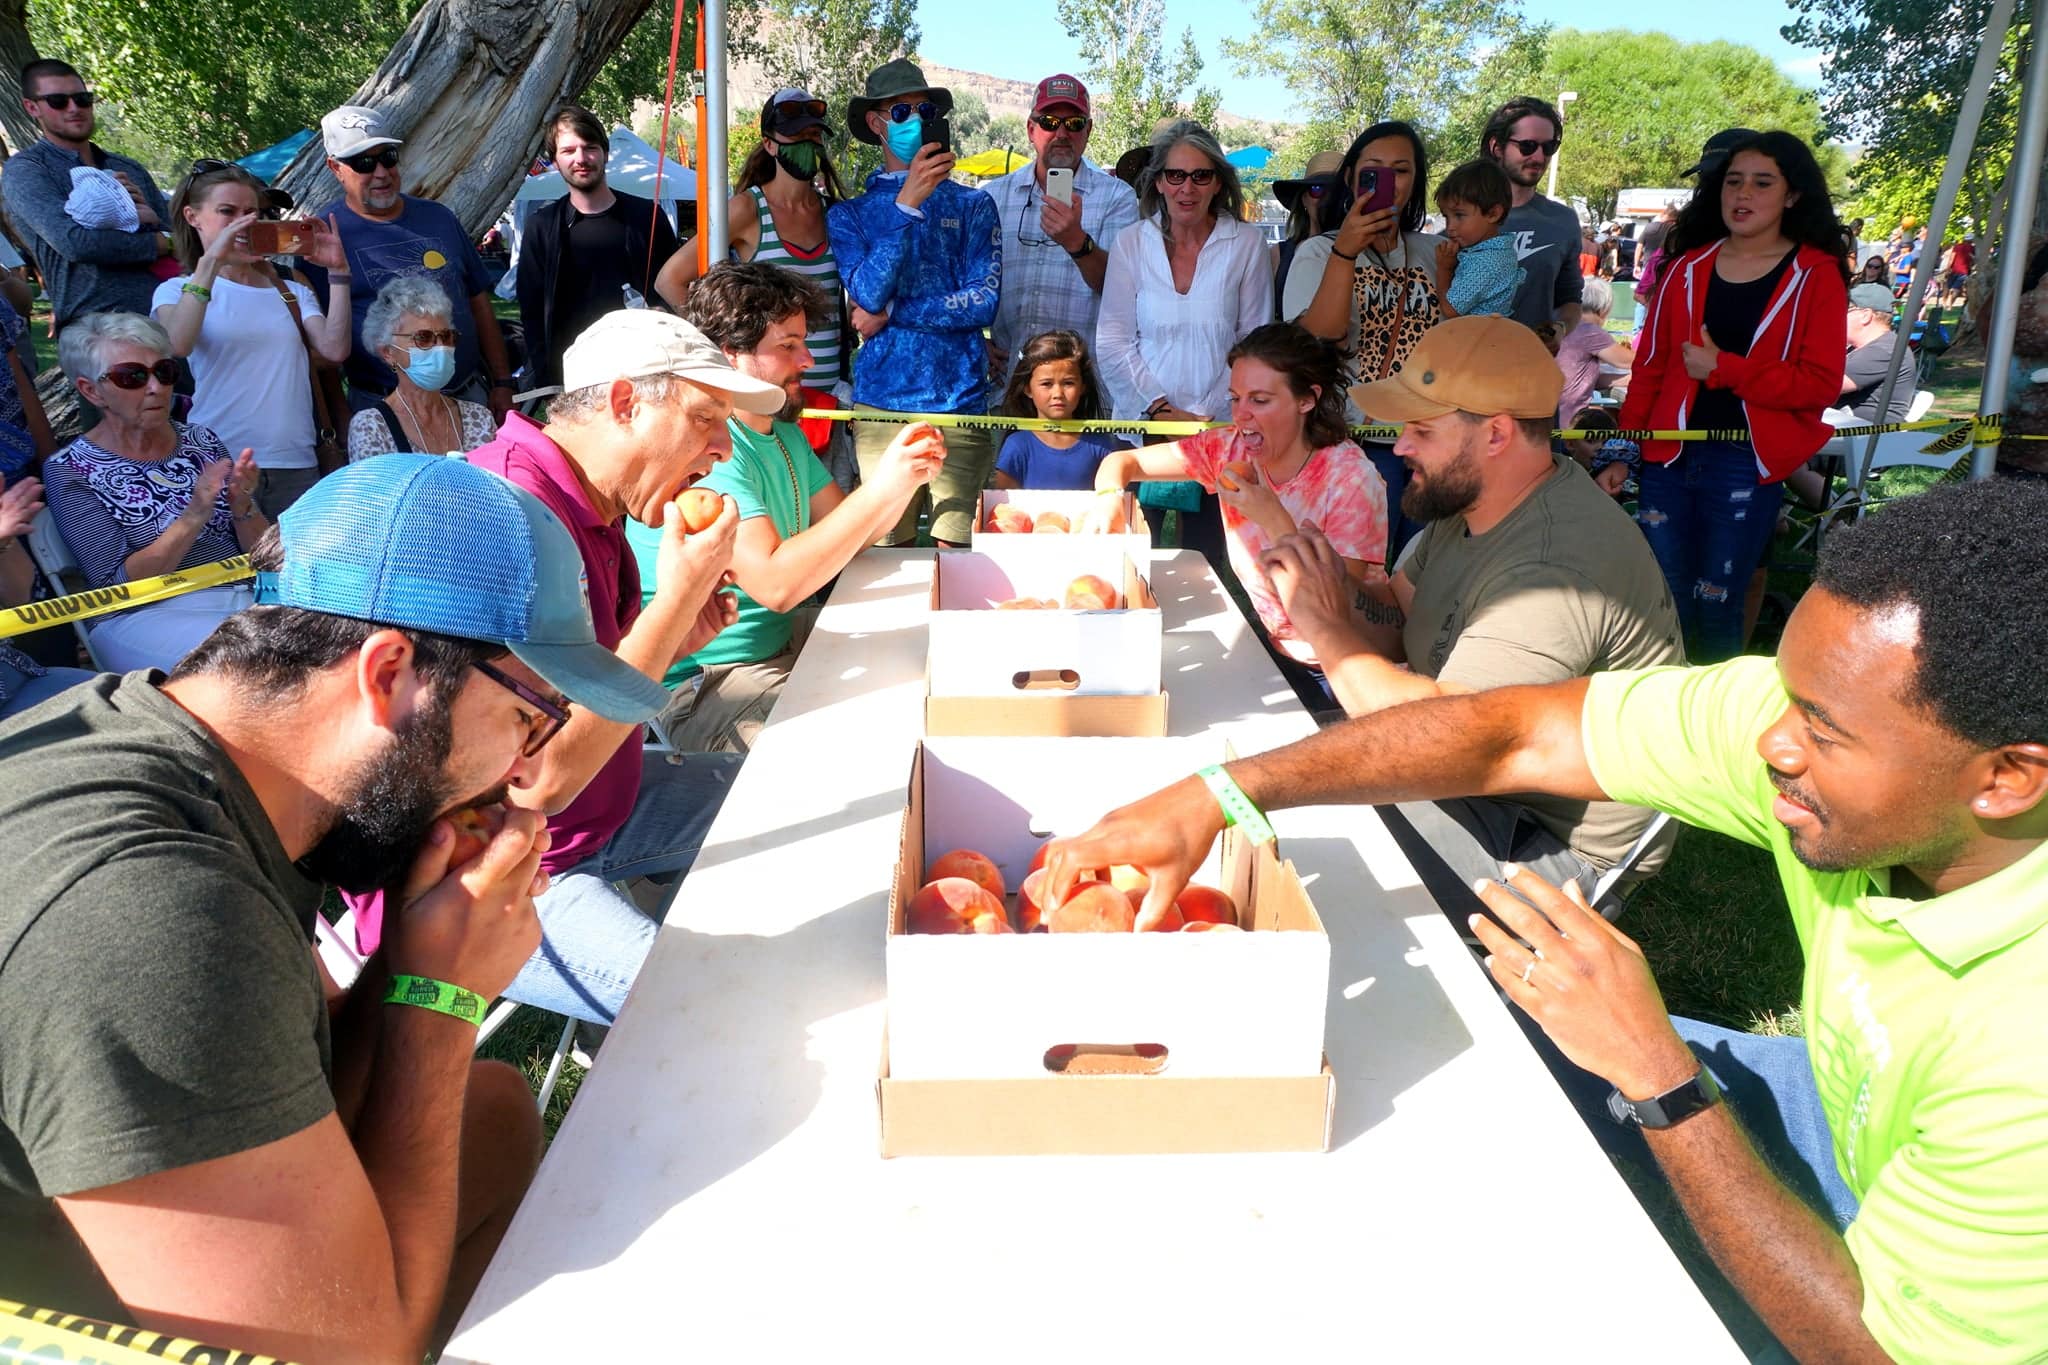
(1173, 175)
(362, 163)
(924, 109)
(1316, 189)
(426, 339)
(61, 102)
(789, 110)
(542, 727)
(1529, 146)
(134, 375)
(1052, 123)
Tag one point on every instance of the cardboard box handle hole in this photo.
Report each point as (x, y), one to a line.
(1046, 680)
(1106, 1059)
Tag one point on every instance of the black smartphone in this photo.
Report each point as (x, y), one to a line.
(939, 131)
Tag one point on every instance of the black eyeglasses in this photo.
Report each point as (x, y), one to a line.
(64, 100)
(1052, 123)
(134, 375)
(427, 337)
(1173, 175)
(1529, 146)
(790, 110)
(362, 163)
(545, 726)
(924, 109)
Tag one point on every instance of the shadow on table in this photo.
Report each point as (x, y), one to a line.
(886, 650)
(1390, 1023)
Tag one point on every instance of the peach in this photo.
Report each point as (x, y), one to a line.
(1090, 592)
(1205, 904)
(1028, 604)
(1235, 474)
(978, 868)
(1009, 519)
(1031, 905)
(1165, 922)
(473, 830)
(1096, 908)
(1052, 523)
(955, 905)
(1202, 926)
(698, 508)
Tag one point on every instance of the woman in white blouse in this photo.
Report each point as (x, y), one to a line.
(1182, 286)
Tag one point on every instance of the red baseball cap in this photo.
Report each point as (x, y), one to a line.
(1060, 89)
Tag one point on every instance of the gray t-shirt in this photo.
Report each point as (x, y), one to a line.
(1563, 587)
(1546, 236)
(159, 1005)
(1865, 368)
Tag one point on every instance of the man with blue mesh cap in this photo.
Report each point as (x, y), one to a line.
(191, 1130)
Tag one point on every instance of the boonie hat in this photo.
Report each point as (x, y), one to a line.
(1480, 365)
(1876, 297)
(634, 343)
(884, 84)
(430, 542)
(807, 112)
(355, 128)
(1718, 147)
(1060, 89)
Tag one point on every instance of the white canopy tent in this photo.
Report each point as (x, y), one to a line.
(629, 169)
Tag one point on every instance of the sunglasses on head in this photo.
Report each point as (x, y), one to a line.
(791, 110)
(1173, 175)
(65, 99)
(207, 165)
(427, 338)
(924, 109)
(552, 715)
(134, 375)
(362, 163)
(1529, 146)
(1052, 123)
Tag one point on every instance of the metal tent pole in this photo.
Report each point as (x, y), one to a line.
(2027, 152)
(711, 197)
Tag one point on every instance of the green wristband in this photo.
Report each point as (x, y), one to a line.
(442, 997)
(1237, 807)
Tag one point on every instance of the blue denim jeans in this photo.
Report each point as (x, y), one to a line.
(593, 937)
(1708, 522)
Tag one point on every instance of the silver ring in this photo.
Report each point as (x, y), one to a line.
(1527, 970)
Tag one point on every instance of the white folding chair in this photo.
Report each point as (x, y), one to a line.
(46, 546)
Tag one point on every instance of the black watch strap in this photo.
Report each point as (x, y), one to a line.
(1087, 246)
(1675, 1105)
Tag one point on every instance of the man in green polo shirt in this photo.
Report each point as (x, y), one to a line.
(797, 530)
(1894, 761)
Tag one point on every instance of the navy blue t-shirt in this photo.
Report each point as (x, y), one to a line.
(1034, 464)
(425, 239)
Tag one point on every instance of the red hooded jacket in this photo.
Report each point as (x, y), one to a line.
(1792, 374)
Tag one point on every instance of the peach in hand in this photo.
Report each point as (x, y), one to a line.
(698, 508)
(1205, 904)
(473, 830)
(1234, 475)
(1097, 908)
(955, 905)
(978, 868)
(1090, 592)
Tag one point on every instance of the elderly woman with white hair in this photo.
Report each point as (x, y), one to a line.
(140, 495)
(411, 328)
(1582, 351)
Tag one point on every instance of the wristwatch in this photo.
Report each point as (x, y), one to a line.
(1675, 1105)
(1087, 246)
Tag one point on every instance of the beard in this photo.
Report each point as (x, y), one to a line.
(1450, 491)
(584, 180)
(392, 801)
(792, 404)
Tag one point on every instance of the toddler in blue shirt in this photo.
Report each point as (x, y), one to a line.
(1477, 270)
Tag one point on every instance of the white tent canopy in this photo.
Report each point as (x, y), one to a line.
(629, 169)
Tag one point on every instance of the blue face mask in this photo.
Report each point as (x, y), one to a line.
(431, 368)
(906, 138)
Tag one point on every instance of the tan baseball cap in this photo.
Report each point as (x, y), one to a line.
(634, 343)
(1480, 365)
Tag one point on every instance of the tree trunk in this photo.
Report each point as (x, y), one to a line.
(468, 86)
(16, 50)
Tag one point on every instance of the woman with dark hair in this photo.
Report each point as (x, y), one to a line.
(1746, 336)
(1371, 282)
(1284, 460)
(1306, 202)
(777, 216)
(1874, 271)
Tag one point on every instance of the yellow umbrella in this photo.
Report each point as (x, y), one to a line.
(995, 161)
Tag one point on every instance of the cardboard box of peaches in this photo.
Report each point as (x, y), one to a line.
(1019, 1028)
(1026, 642)
(1040, 517)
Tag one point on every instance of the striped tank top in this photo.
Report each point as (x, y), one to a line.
(820, 269)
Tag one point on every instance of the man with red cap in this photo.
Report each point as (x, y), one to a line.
(1054, 251)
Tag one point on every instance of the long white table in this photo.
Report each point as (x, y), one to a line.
(716, 1193)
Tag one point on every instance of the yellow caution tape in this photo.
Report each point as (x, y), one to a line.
(79, 606)
(39, 1336)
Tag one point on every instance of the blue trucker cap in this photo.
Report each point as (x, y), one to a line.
(426, 542)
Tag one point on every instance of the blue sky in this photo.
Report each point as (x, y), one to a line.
(1029, 43)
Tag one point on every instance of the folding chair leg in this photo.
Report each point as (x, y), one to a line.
(547, 1085)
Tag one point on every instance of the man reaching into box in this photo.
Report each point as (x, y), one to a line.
(787, 548)
(1894, 760)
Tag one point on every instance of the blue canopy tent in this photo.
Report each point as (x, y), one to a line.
(268, 164)
(1250, 158)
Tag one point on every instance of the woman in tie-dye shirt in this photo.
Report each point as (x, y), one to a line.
(1284, 461)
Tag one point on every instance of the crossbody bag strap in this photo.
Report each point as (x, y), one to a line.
(329, 447)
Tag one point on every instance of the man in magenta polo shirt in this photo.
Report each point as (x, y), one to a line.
(642, 416)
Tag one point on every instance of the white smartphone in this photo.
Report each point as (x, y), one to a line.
(1059, 184)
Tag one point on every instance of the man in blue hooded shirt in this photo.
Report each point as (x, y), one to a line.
(921, 258)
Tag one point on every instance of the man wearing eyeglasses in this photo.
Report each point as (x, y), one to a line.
(84, 270)
(194, 1134)
(1054, 252)
(921, 259)
(388, 233)
(1522, 136)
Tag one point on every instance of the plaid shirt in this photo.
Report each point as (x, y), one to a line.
(1043, 290)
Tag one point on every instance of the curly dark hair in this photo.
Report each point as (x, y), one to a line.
(1415, 210)
(1969, 559)
(1479, 183)
(1809, 220)
(737, 302)
(1310, 365)
(1045, 347)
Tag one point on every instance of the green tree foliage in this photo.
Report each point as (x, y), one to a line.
(1135, 77)
(1351, 63)
(1646, 102)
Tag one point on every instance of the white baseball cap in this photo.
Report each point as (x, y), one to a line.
(355, 128)
(634, 343)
